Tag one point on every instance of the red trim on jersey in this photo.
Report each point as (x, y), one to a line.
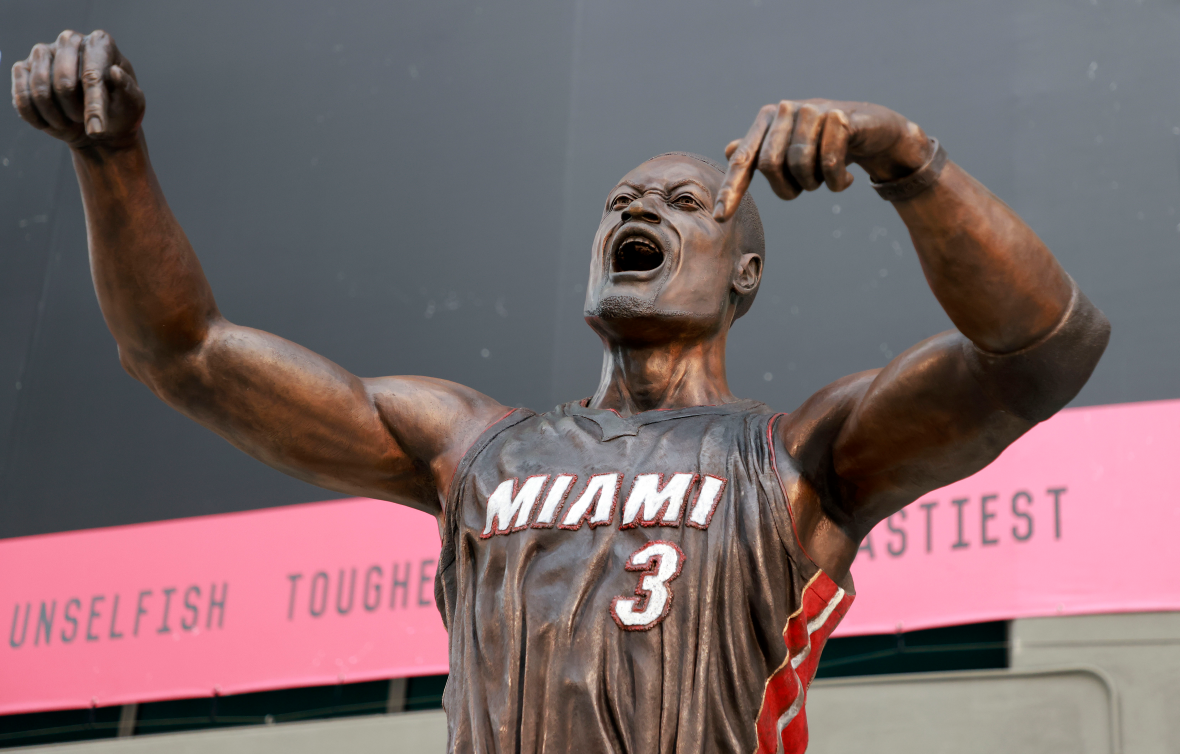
(783, 487)
(782, 718)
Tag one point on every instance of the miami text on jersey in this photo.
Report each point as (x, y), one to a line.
(653, 500)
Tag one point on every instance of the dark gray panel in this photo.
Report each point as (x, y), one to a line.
(1008, 89)
(402, 185)
(373, 180)
(34, 172)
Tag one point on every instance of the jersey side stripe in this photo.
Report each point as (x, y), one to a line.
(782, 720)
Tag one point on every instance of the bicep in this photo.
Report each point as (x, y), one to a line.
(922, 422)
(308, 417)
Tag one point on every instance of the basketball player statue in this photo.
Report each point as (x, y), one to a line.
(655, 568)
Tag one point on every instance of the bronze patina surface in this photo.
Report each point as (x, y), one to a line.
(677, 258)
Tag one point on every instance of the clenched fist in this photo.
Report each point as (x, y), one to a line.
(800, 146)
(80, 90)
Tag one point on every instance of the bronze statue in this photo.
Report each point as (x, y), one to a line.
(656, 567)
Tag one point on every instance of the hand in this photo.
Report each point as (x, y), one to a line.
(80, 90)
(800, 146)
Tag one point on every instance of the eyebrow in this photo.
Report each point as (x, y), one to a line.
(670, 189)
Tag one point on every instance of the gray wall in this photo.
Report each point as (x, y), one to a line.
(403, 185)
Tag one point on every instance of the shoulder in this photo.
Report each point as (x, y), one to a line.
(803, 448)
(435, 421)
(807, 434)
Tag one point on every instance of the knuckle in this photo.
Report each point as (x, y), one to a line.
(91, 77)
(800, 153)
(743, 156)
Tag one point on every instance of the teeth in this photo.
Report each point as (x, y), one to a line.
(639, 241)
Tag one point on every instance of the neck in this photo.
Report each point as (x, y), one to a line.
(672, 375)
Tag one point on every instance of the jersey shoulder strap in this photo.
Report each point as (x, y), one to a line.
(444, 587)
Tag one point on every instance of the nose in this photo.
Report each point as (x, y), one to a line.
(636, 211)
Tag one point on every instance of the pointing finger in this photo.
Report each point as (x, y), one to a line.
(741, 166)
(730, 147)
(772, 157)
(833, 150)
(96, 59)
(65, 75)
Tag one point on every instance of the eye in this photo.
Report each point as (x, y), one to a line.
(620, 202)
(686, 201)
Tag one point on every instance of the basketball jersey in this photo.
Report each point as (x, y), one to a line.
(628, 584)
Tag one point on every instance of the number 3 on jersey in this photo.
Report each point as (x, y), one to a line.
(660, 562)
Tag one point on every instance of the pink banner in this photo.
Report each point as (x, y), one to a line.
(1078, 517)
(296, 596)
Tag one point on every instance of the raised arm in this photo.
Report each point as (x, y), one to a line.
(394, 438)
(1026, 340)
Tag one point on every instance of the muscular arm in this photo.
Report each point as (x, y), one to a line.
(1026, 342)
(394, 438)
(1026, 339)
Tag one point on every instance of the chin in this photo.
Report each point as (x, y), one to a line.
(635, 321)
(625, 307)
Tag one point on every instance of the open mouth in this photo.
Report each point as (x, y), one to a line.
(636, 253)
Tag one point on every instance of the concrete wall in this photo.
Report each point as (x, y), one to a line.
(1140, 652)
(1077, 685)
(1054, 711)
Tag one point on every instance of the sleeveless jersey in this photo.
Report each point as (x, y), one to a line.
(628, 584)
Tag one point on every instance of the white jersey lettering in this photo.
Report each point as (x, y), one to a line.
(654, 597)
(505, 503)
(706, 503)
(648, 500)
(604, 487)
(561, 487)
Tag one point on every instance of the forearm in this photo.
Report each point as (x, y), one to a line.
(993, 276)
(152, 291)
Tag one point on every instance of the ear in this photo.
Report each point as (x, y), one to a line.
(749, 274)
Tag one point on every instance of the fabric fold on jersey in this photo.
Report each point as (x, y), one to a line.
(628, 584)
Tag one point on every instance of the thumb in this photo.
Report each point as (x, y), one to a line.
(126, 85)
